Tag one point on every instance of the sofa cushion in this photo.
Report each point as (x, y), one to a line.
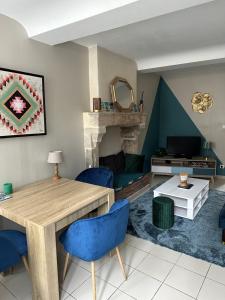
(134, 163)
(124, 179)
(120, 162)
(115, 162)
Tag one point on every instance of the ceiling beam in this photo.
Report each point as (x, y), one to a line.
(197, 57)
(131, 13)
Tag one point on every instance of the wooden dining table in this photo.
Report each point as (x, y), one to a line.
(44, 208)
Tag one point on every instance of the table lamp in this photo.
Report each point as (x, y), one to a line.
(55, 157)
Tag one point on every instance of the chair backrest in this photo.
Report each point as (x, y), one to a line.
(90, 239)
(97, 176)
(8, 255)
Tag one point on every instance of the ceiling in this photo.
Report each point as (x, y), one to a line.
(156, 35)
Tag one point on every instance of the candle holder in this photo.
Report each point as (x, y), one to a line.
(96, 104)
(183, 180)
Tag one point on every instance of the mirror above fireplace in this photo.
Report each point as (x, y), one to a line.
(122, 94)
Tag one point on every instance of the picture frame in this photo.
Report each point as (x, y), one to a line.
(22, 104)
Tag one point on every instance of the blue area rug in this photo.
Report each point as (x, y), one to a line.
(200, 238)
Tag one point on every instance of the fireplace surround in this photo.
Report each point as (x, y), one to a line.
(96, 123)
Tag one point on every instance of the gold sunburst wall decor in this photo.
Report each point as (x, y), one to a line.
(201, 102)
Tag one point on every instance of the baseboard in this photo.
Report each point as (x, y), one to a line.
(220, 176)
(138, 193)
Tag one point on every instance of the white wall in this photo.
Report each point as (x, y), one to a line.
(108, 66)
(111, 65)
(65, 67)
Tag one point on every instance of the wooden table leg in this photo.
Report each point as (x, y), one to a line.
(43, 261)
(103, 209)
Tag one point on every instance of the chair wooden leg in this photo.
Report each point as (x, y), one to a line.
(93, 280)
(66, 265)
(121, 262)
(25, 262)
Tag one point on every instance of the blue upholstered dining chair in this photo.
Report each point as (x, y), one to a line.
(97, 176)
(8, 255)
(18, 241)
(91, 239)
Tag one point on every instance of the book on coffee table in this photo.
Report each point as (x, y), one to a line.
(4, 196)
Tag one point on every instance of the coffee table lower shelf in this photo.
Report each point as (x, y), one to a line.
(188, 204)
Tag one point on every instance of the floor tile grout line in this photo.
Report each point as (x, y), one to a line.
(117, 289)
(203, 282)
(9, 290)
(179, 266)
(71, 293)
(179, 290)
(133, 269)
(121, 292)
(212, 278)
(164, 282)
(176, 262)
(149, 252)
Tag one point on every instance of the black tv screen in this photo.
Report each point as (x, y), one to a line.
(184, 146)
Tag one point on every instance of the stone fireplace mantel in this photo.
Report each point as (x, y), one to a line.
(95, 124)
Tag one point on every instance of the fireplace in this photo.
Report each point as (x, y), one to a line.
(95, 124)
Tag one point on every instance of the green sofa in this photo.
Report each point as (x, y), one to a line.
(127, 168)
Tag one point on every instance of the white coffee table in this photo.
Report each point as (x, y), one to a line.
(187, 202)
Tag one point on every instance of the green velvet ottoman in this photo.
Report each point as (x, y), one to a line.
(163, 212)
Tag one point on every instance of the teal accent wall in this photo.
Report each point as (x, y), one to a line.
(151, 142)
(168, 118)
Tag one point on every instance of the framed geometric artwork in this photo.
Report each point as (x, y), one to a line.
(22, 104)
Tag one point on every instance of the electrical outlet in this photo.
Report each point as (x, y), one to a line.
(222, 166)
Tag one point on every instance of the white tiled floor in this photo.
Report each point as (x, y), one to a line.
(154, 273)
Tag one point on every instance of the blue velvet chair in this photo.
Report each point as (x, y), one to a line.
(97, 176)
(19, 242)
(91, 239)
(8, 255)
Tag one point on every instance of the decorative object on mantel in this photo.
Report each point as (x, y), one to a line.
(135, 108)
(96, 104)
(206, 147)
(141, 104)
(201, 102)
(107, 105)
(55, 157)
(22, 106)
(122, 94)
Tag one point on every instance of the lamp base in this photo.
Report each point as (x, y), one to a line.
(56, 173)
(56, 177)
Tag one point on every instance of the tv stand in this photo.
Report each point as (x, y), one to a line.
(181, 156)
(195, 166)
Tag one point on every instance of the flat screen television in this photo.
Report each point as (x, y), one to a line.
(184, 146)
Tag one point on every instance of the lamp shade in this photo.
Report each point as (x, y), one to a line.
(55, 157)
